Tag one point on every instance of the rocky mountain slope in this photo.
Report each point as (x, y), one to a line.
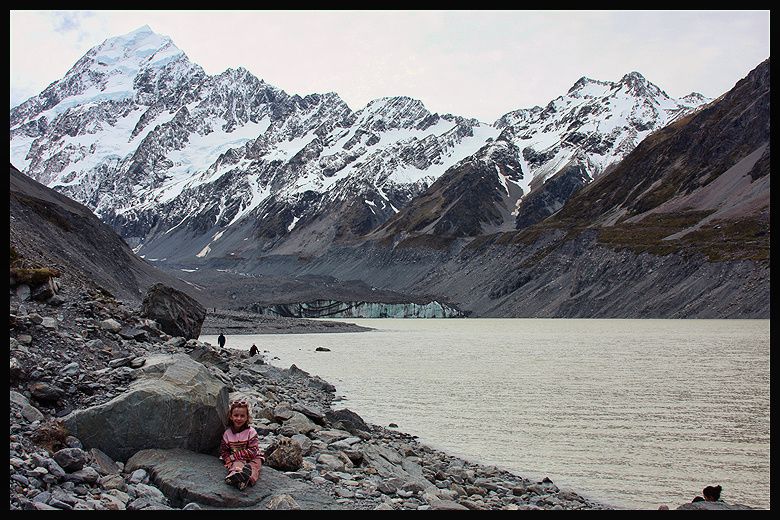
(48, 230)
(189, 167)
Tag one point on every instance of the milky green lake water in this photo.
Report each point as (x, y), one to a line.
(633, 413)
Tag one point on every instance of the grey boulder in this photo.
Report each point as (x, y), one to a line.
(176, 313)
(186, 477)
(175, 402)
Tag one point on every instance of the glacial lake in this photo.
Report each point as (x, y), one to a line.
(631, 413)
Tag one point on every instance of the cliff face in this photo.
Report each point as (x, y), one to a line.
(338, 309)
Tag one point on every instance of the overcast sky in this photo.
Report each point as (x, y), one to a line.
(479, 64)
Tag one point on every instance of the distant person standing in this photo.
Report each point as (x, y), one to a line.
(221, 340)
(253, 350)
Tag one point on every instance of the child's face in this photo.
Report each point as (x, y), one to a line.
(239, 417)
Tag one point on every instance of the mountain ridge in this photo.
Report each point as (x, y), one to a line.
(311, 163)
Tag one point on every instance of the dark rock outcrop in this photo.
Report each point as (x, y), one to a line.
(351, 421)
(473, 195)
(551, 196)
(177, 313)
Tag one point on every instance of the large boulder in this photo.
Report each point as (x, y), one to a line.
(349, 420)
(175, 403)
(176, 313)
(185, 477)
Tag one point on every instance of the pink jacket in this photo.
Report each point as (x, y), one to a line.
(243, 445)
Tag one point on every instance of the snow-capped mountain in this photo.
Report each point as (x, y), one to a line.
(197, 166)
(596, 123)
(554, 151)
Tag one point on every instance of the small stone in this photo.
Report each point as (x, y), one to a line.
(39, 471)
(70, 369)
(94, 344)
(105, 465)
(120, 362)
(71, 459)
(282, 502)
(44, 507)
(139, 476)
(145, 490)
(121, 495)
(60, 504)
(111, 325)
(73, 442)
(111, 502)
(137, 362)
(345, 493)
(55, 469)
(87, 475)
(113, 482)
(45, 392)
(23, 292)
(21, 479)
(50, 323)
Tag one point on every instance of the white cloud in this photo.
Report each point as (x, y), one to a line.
(473, 63)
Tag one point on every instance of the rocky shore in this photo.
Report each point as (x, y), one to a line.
(94, 390)
(108, 412)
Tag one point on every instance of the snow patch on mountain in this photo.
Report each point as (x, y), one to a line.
(258, 195)
(202, 151)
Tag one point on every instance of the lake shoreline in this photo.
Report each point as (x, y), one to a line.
(356, 354)
(244, 322)
(104, 348)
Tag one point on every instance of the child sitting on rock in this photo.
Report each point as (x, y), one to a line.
(239, 449)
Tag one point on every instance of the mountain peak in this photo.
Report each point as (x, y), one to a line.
(633, 76)
(141, 30)
(394, 106)
(638, 85)
(695, 97)
(132, 51)
(144, 36)
(581, 83)
(585, 87)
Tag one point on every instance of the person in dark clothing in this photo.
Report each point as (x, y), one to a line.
(253, 350)
(221, 340)
(712, 493)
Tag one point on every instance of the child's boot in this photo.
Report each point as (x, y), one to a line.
(233, 478)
